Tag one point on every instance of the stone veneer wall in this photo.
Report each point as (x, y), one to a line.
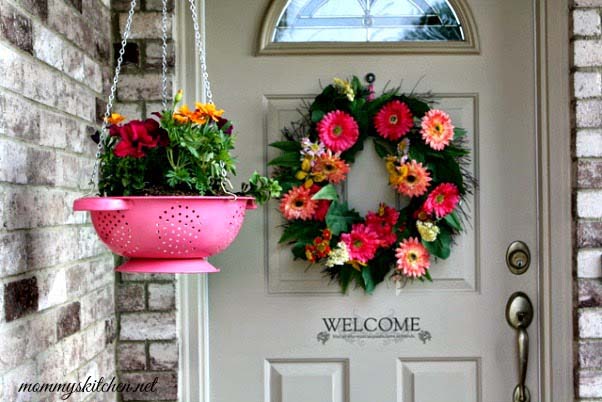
(57, 315)
(587, 94)
(146, 309)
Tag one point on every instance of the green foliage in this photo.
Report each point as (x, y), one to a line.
(262, 188)
(328, 192)
(340, 218)
(441, 247)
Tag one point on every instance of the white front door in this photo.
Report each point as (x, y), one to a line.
(268, 314)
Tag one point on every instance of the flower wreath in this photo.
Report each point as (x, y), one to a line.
(424, 156)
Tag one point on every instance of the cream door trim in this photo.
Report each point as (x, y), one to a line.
(555, 221)
(270, 20)
(192, 300)
(554, 167)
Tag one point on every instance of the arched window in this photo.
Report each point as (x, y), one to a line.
(363, 26)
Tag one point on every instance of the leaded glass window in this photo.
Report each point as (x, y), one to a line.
(368, 21)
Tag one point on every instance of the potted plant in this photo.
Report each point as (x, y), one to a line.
(166, 201)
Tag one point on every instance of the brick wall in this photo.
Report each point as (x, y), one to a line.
(57, 320)
(587, 94)
(146, 309)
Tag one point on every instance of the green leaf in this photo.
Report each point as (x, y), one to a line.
(340, 218)
(300, 231)
(418, 107)
(299, 251)
(288, 146)
(317, 115)
(345, 277)
(459, 133)
(427, 276)
(287, 159)
(328, 192)
(369, 284)
(453, 221)
(441, 247)
(383, 148)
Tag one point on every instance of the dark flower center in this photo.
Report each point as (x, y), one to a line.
(393, 119)
(411, 178)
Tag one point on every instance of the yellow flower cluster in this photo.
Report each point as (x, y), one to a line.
(428, 230)
(344, 87)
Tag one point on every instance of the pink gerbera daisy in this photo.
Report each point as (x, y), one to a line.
(297, 204)
(338, 131)
(442, 200)
(413, 259)
(394, 120)
(361, 243)
(411, 179)
(437, 129)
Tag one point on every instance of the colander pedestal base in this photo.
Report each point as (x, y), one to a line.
(164, 266)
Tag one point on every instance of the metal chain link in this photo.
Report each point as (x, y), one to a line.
(103, 130)
(164, 55)
(201, 48)
(126, 34)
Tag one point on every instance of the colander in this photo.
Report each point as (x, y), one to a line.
(170, 234)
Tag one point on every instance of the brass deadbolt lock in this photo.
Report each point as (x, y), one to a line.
(518, 257)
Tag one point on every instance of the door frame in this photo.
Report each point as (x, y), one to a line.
(554, 212)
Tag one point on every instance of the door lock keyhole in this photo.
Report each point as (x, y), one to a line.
(518, 257)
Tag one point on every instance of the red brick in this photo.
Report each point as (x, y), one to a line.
(589, 173)
(20, 298)
(16, 28)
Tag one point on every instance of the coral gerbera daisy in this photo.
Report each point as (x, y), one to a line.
(297, 204)
(437, 129)
(413, 259)
(442, 200)
(338, 131)
(361, 243)
(410, 179)
(331, 167)
(393, 120)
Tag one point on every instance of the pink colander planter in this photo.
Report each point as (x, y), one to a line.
(166, 234)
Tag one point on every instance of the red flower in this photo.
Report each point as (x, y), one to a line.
(394, 120)
(136, 136)
(382, 223)
(322, 205)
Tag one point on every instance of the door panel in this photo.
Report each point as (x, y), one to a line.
(303, 380)
(267, 329)
(450, 380)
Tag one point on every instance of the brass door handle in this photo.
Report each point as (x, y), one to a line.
(519, 314)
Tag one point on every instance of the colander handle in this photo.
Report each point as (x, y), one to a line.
(100, 204)
(251, 204)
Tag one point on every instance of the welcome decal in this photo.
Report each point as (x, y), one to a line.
(357, 329)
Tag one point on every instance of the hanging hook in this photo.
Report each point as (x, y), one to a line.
(370, 78)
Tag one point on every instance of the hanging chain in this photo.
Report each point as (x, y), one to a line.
(126, 34)
(164, 56)
(201, 49)
(105, 120)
